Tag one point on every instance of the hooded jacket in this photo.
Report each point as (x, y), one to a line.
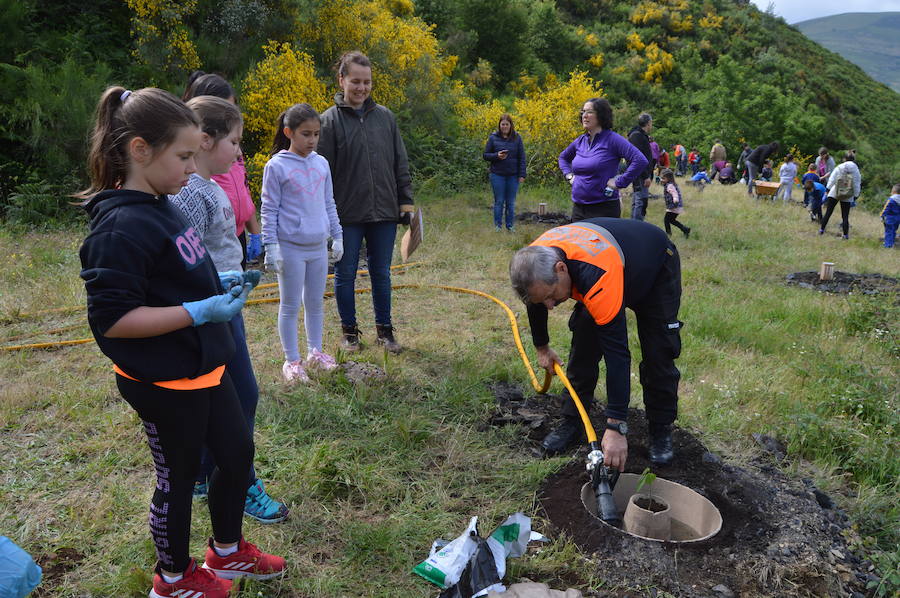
(298, 200)
(761, 153)
(638, 138)
(369, 165)
(142, 251)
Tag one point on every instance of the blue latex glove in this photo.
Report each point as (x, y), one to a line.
(254, 247)
(231, 278)
(218, 308)
(252, 276)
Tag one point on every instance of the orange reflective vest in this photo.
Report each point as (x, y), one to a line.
(586, 242)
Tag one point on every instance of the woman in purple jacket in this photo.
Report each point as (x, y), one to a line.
(591, 161)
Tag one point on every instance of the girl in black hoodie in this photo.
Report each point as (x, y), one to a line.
(158, 310)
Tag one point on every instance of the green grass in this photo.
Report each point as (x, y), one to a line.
(373, 473)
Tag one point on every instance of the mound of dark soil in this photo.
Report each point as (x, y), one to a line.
(846, 282)
(553, 218)
(780, 536)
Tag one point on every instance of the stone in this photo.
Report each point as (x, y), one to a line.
(711, 458)
(723, 591)
(823, 499)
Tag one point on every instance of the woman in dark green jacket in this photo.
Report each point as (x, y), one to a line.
(372, 191)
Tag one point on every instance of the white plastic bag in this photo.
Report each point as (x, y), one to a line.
(508, 540)
(446, 562)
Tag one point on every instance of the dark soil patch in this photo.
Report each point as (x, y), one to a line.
(846, 282)
(554, 218)
(54, 567)
(780, 536)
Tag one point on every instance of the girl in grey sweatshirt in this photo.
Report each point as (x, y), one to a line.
(298, 216)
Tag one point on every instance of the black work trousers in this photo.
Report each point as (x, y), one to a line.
(178, 424)
(659, 332)
(603, 209)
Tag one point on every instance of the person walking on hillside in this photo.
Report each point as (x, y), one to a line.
(716, 155)
(591, 161)
(843, 187)
(606, 265)
(506, 153)
(639, 136)
(372, 191)
(755, 160)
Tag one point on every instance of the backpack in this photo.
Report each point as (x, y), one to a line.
(843, 186)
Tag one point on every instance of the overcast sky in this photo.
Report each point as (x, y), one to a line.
(794, 11)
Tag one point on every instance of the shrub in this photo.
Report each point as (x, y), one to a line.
(407, 63)
(162, 40)
(547, 119)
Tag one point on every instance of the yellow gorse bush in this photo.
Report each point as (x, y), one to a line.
(283, 78)
(659, 63)
(711, 21)
(407, 63)
(160, 36)
(476, 119)
(633, 42)
(548, 120)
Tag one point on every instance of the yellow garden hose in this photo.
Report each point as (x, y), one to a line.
(540, 388)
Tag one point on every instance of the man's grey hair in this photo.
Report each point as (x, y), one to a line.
(644, 119)
(532, 264)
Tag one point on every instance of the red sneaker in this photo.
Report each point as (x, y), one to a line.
(196, 583)
(248, 561)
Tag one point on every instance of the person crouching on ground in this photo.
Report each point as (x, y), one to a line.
(814, 197)
(606, 265)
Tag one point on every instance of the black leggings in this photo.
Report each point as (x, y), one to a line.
(178, 424)
(845, 215)
(603, 209)
(672, 218)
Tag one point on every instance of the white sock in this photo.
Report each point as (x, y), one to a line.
(172, 579)
(225, 551)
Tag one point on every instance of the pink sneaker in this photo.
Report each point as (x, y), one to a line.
(319, 360)
(293, 372)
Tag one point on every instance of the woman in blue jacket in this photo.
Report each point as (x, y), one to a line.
(506, 153)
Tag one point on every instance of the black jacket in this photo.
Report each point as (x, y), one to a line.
(639, 139)
(142, 251)
(369, 166)
(514, 164)
(761, 153)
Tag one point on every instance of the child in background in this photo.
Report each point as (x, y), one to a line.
(158, 310)
(210, 212)
(814, 197)
(674, 203)
(299, 214)
(765, 173)
(694, 160)
(700, 179)
(786, 175)
(233, 182)
(890, 215)
(662, 164)
(809, 175)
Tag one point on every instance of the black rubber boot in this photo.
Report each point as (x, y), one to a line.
(386, 338)
(564, 436)
(661, 449)
(350, 342)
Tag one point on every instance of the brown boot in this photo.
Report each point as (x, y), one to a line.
(386, 338)
(350, 342)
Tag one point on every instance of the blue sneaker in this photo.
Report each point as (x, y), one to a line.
(263, 507)
(201, 490)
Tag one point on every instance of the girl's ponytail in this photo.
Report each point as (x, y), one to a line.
(281, 142)
(151, 114)
(291, 118)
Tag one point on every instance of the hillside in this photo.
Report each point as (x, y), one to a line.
(866, 39)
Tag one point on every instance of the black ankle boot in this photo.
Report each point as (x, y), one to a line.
(350, 342)
(562, 437)
(661, 450)
(386, 337)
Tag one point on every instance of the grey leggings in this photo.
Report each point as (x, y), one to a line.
(752, 172)
(302, 281)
